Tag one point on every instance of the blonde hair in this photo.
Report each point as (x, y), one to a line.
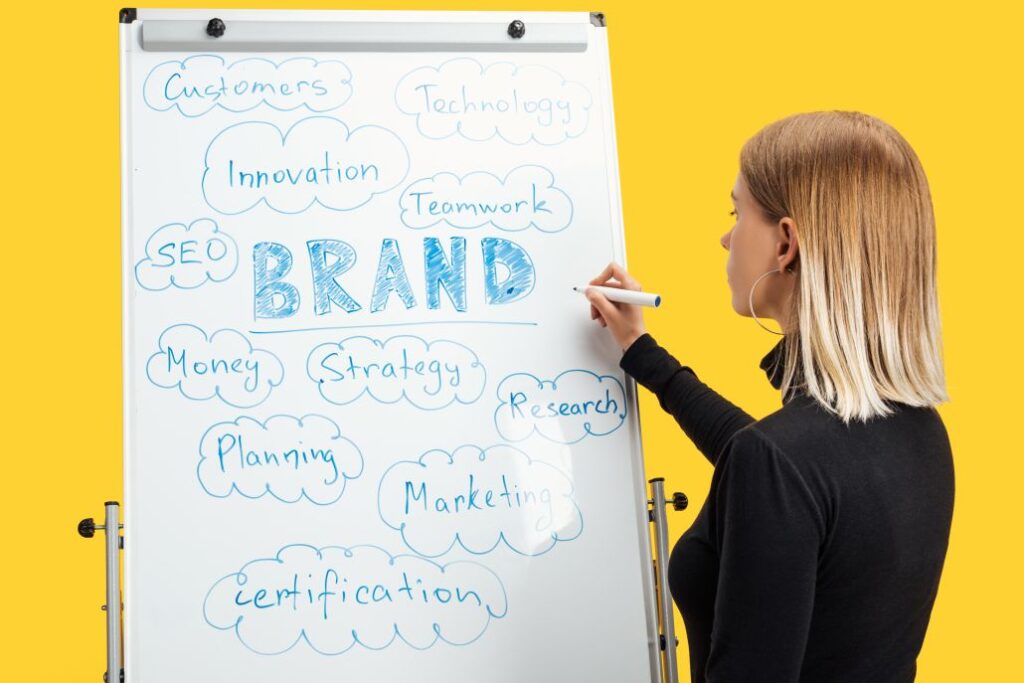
(867, 328)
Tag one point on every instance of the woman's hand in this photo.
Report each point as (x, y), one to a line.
(626, 321)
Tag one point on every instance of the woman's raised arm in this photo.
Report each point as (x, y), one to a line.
(707, 417)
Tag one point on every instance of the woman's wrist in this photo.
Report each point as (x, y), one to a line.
(631, 339)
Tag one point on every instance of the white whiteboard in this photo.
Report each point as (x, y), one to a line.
(369, 429)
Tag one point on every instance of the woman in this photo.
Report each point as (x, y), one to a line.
(817, 553)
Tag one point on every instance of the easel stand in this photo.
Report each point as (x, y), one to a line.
(656, 515)
(115, 542)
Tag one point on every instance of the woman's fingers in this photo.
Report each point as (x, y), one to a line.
(605, 308)
(613, 269)
(602, 309)
(607, 283)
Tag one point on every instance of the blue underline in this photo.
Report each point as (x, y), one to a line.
(425, 322)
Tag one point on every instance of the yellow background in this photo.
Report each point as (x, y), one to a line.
(692, 81)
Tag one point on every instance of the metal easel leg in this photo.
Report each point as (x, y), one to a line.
(656, 514)
(114, 543)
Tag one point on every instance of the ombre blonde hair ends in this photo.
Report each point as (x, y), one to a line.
(867, 329)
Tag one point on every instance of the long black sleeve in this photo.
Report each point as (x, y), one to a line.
(708, 418)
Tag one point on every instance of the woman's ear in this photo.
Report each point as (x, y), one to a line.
(788, 248)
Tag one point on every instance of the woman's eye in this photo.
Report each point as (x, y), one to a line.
(733, 213)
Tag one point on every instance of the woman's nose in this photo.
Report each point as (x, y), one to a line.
(725, 240)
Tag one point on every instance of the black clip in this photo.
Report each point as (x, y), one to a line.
(517, 29)
(215, 28)
(87, 528)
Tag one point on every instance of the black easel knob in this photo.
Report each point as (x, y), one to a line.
(215, 28)
(87, 528)
(517, 29)
(679, 501)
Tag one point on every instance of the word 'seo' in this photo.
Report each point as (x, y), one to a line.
(224, 365)
(186, 256)
(286, 458)
(525, 198)
(566, 409)
(478, 499)
(334, 598)
(201, 83)
(318, 161)
(429, 375)
(517, 104)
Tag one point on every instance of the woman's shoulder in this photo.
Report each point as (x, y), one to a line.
(826, 450)
(803, 418)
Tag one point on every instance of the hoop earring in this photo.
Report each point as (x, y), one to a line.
(751, 299)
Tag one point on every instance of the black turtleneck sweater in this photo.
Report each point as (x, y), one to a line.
(817, 553)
